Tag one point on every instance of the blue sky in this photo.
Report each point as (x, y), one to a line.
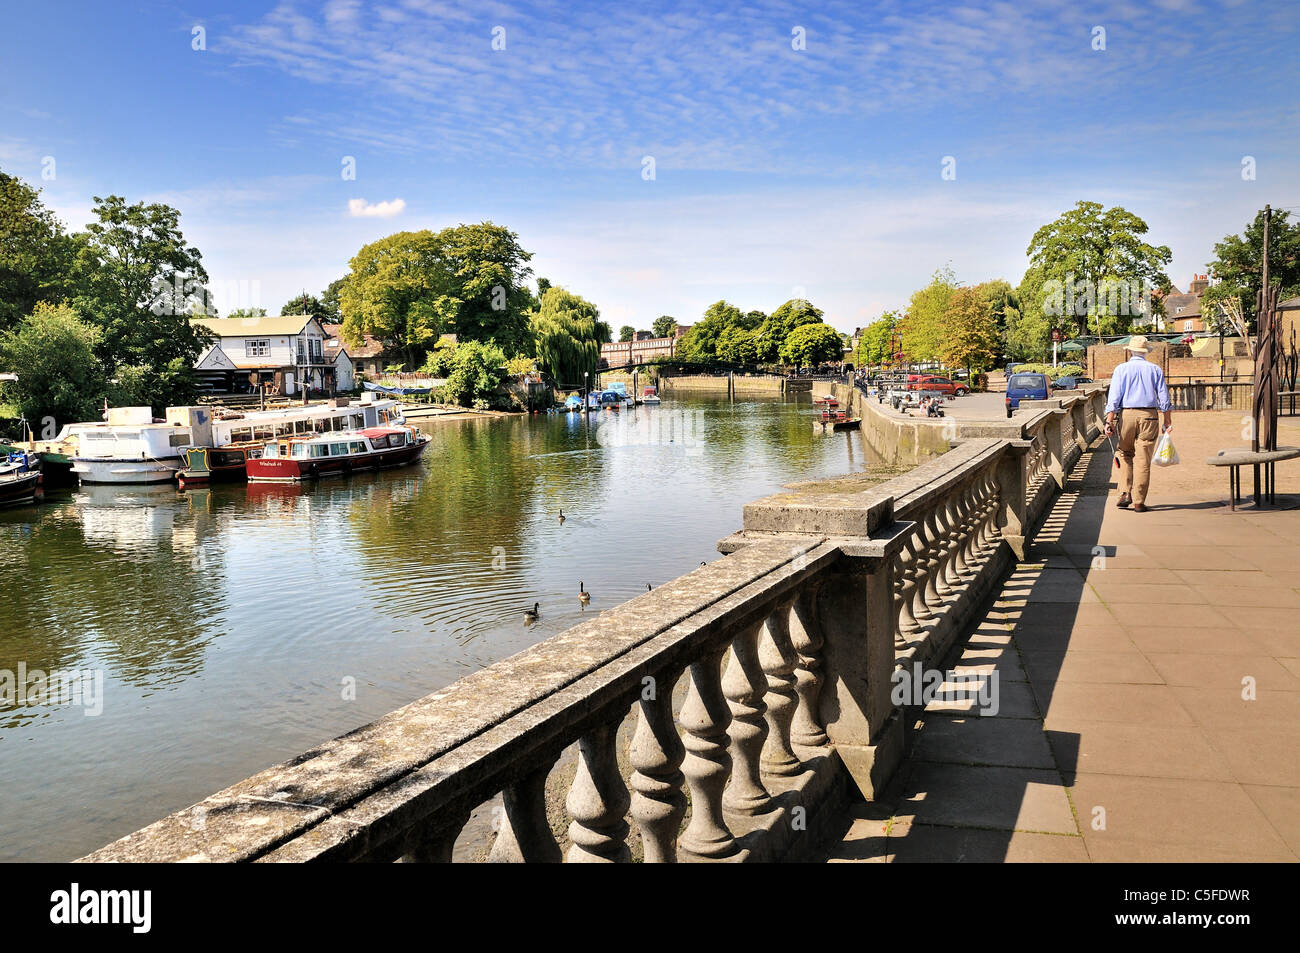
(779, 172)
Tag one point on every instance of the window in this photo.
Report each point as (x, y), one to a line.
(319, 449)
(240, 434)
(302, 426)
(336, 423)
(358, 421)
(357, 446)
(300, 449)
(256, 348)
(263, 432)
(284, 428)
(338, 450)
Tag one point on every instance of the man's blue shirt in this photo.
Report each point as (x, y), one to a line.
(1137, 383)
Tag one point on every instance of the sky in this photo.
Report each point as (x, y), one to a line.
(656, 158)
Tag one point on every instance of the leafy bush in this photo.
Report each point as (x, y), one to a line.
(1053, 373)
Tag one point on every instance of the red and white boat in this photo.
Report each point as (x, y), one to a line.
(349, 451)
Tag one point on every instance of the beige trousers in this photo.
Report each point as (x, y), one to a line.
(1139, 429)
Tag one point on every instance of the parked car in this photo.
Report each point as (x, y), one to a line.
(941, 384)
(1029, 386)
(1070, 382)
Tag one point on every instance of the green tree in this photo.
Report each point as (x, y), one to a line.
(971, 339)
(626, 333)
(1029, 330)
(922, 327)
(1098, 273)
(665, 326)
(35, 252)
(875, 339)
(137, 280)
(59, 374)
(250, 313)
(700, 344)
(737, 345)
(474, 371)
(566, 336)
(412, 287)
(1237, 268)
(306, 304)
(810, 344)
(331, 308)
(774, 329)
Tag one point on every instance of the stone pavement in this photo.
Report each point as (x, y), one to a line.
(1148, 681)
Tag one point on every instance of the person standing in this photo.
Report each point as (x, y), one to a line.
(1139, 396)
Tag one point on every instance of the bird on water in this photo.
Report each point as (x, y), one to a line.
(583, 595)
(532, 615)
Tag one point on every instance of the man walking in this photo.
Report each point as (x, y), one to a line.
(1139, 395)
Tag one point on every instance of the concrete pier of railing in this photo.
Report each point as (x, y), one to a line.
(787, 648)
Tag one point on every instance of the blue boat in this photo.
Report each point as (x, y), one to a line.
(573, 402)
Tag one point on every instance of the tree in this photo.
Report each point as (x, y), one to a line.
(774, 329)
(1097, 271)
(1237, 268)
(810, 344)
(306, 304)
(35, 253)
(874, 343)
(329, 300)
(474, 372)
(922, 327)
(137, 280)
(1029, 331)
(971, 339)
(700, 344)
(410, 288)
(251, 313)
(736, 345)
(60, 378)
(566, 336)
(626, 333)
(665, 326)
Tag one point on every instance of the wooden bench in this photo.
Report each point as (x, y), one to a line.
(1236, 459)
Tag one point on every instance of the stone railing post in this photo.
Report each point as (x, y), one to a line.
(1055, 447)
(855, 606)
(1013, 508)
(1079, 419)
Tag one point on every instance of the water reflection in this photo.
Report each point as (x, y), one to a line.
(226, 619)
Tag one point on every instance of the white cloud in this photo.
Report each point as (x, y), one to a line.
(360, 208)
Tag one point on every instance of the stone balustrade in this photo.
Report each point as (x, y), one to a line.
(756, 690)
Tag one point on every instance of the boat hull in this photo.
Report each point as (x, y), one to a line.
(100, 470)
(204, 465)
(281, 470)
(20, 489)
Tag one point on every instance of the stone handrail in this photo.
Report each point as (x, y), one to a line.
(786, 648)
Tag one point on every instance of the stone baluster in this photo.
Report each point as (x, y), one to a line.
(806, 637)
(777, 656)
(944, 583)
(704, 719)
(743, 684)
(934, 574)
(983, 507)
(970, 502)
(598, 801)
(524, 835)
(433, 844)
(658, 801)
(961, 533)
(907, 624)
(926, 546)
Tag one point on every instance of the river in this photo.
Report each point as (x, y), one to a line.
(238, 626)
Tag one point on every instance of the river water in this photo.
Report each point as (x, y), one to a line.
(238, 626)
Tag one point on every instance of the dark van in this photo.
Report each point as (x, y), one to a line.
(1025, 387)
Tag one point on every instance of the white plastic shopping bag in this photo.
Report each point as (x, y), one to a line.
(1165, 455)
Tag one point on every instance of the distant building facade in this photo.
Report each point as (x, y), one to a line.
(280, 353)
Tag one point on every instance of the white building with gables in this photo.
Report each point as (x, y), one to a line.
(279, 352)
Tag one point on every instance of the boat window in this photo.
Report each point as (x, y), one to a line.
(319, 449)
(179, 439)
(358, 421)
(300, 449)
(336, 423)
(263, 432)
(227, 458)
(320, 425)
(379, 443)
(241, 433)
(338, 449)
(357, 446)
(397, 440)
(284, 428)
(302, 426)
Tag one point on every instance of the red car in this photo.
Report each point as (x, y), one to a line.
(936, 383)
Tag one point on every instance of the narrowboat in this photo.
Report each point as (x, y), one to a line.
(292, 460)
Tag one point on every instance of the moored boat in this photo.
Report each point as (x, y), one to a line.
(650, 395)
(20, 479)
(292, 460)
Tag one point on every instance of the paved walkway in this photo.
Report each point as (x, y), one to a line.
(1148, 676)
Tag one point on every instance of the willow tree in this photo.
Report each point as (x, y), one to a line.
(567, 332)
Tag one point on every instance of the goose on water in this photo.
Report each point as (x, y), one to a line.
(583, 595)
(532, 615)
